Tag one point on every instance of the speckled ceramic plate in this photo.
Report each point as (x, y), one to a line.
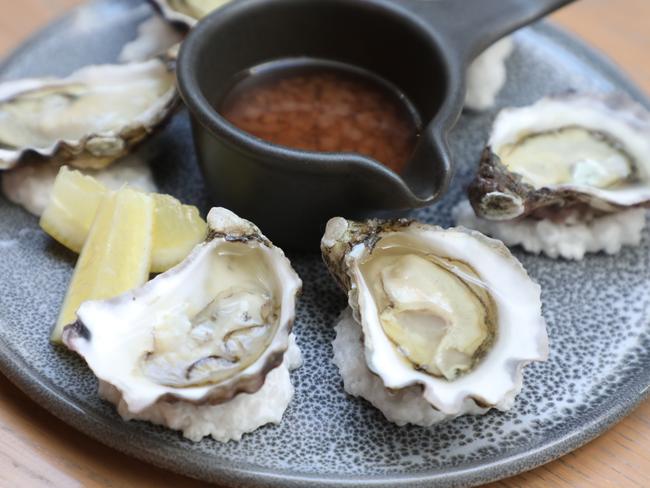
(597, 311)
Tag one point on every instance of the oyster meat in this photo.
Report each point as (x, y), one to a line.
(570, 160)
(448, 317)
(87, 120)
(201, 333)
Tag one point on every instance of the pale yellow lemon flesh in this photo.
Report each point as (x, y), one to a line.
(73, 204)
(177, 229)
(116, 256)
(72, 207)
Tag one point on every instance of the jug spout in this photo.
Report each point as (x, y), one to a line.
(430, 170)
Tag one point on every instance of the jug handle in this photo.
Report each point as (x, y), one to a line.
(468, 27)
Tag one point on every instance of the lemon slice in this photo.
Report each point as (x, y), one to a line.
(72, 207)
(116, 255)
(177, 229)
(74, 201)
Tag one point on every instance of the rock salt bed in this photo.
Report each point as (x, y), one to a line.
(608, 233)
(227, 421)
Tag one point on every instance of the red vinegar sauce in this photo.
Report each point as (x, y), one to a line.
(324, 106)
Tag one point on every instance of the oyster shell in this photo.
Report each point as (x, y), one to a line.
(88, 119)
(204, 331)
(187, 12)
(577, 154)
(450, 311)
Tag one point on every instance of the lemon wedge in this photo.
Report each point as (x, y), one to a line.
(116, 255)
(74, 202)
(72, 207)
(177, 229)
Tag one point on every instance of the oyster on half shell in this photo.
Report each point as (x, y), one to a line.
(577, 155)
(451, 311)
(88, 119)
(204, 331)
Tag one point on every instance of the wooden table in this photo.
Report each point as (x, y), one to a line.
(36, 449)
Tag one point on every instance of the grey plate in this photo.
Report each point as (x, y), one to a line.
(596, 309)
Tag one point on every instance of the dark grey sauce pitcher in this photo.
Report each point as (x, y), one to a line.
(421, 46)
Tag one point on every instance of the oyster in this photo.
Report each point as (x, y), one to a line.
(210, 328)
(450, 312)
(574, 154)
(88, 119)
(187, 12)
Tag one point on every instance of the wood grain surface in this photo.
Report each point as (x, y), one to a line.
(38, 450)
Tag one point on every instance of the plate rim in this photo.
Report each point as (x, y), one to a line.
(61, 405)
